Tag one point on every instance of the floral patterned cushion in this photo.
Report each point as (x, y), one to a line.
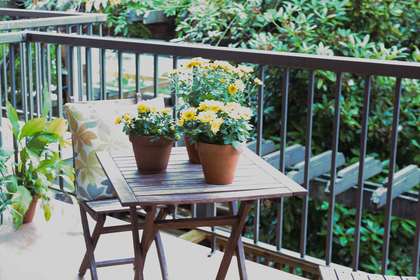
(93, 130)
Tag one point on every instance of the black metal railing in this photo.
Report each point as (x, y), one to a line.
(74, 88)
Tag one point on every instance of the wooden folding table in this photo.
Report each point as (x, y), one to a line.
(183, 183)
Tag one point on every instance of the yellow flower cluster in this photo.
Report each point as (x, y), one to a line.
(143, 107)
(212, 112)
(126, 118)
(241, 70)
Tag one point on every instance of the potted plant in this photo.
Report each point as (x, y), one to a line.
(38, 167)
(152, 133)
(219, 129)
(201, 80)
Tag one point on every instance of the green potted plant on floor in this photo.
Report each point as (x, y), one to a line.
(201, 80)
(219, 129)
(38, 167)
(152, 133)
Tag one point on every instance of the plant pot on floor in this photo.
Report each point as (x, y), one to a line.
(192, 151)
(151, 153)
(29, 215)
(219, 163)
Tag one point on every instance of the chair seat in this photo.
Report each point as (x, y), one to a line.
(331, 273)
(107, 206)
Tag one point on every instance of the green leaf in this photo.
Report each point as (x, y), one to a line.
(32, 127)
(57, 126)
(47, 211)
(20, 203)
(13, 118)
(38, 143)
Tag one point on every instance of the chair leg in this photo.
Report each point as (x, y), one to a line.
(89, 244)
(161, 256)
(95, 237)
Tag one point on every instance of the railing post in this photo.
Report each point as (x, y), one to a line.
(335, 140)
(308, 154)
(360, 189)
(391, 170)
(282, 164)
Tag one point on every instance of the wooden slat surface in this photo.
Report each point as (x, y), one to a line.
(329, 273)
(183, 182)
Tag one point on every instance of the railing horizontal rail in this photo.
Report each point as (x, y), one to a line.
(50, 21)
(12, 37)
(360, 66)
(36, 13)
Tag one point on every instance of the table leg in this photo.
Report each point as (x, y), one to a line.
(148, 235)
(233, 240)
(159, 246)
(240, 254)
(136, 242)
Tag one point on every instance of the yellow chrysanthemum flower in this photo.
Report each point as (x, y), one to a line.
(194, 63)
(203, 106)
(166, 111)
(153, 109)
(258, 81)
(127, 117)
(215, 125)
(240, 85)
(180, 122)
(142, 108)
(189, 114)
(232, 89)
(206, 117)
(118, 120)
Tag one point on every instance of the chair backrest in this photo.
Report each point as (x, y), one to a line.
(93, 129)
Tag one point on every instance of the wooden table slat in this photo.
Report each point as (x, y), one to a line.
(184, 182)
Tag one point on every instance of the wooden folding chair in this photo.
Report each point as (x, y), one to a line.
(92, 126)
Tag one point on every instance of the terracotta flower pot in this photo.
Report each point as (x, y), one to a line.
(152, 156)
(219, 163)
(192, 151)
(29, 215)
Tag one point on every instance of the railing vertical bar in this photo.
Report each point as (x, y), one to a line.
(137, 55)
(38, 79)
(59, 80)
(89, 86)
(282, 165)
(336, 131)
(1, 131)
(30, 85)
(12, 74)
(155, 74)
(69, 62)
(79, 65)
(416, 252)
(260, 112)
(120, 74)
(103, 66)
(48, 76)
(308, 155)
(4, 68)
(173, 92)
(360, 184)
(391, 170)
(260, 123)
(23, 91)
(213, 245)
